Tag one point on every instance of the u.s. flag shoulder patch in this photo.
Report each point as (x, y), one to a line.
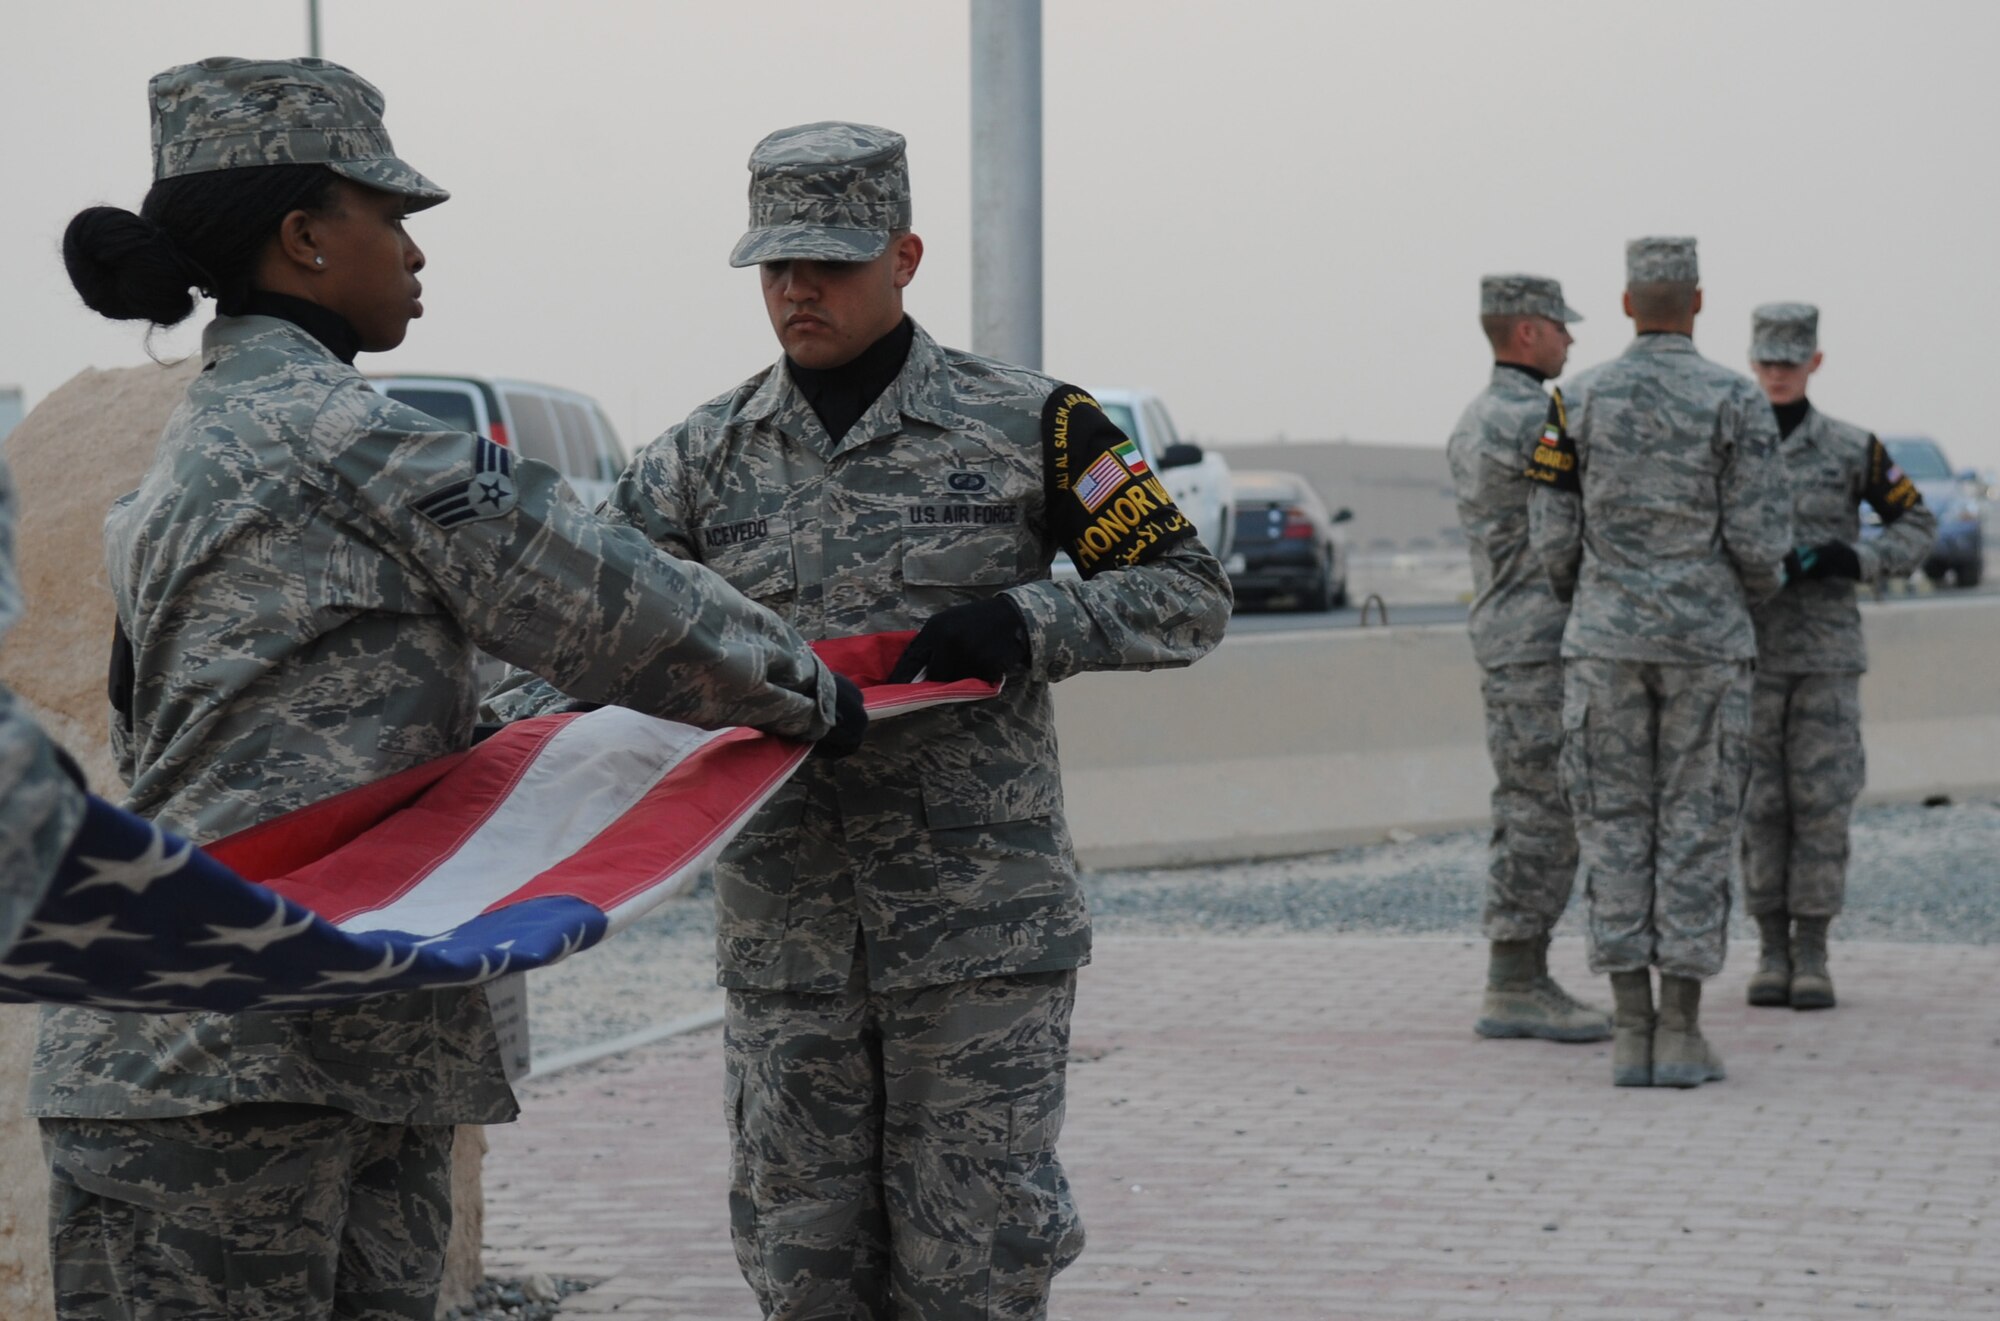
(488, 493)
(1100, 480)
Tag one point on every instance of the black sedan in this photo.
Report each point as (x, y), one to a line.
(1286, 543)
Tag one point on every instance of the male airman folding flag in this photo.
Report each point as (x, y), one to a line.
(543, 840)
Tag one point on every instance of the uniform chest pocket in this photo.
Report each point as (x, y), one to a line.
(754, 554)
(346, 576)
(970, 564)
(1824, 501)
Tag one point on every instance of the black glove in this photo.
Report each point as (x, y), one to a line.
(977, 640)
(1829, 559)
(850, 721)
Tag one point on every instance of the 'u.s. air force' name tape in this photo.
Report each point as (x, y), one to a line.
(488, 493)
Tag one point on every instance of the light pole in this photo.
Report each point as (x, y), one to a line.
(312, 28)
(1007, 180)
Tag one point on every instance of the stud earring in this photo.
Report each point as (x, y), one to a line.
(319, 261)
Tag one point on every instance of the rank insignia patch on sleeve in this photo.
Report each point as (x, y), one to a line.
(488, 493)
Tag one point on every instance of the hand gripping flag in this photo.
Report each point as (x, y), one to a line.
(543, 840)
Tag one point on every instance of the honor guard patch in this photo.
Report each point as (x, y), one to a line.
(1888, 490)
(488, 493)
(1105, 506)
(1553, 462)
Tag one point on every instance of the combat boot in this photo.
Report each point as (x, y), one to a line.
(1632, 1043)
(1812, 985)
(1522, 1000)
(1681, 1057)
(1771, 984)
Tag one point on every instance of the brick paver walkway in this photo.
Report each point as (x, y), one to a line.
(1307, 1128)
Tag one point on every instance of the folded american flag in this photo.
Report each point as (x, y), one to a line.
(543, 840)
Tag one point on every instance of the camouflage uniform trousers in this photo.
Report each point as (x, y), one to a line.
(265, 1212)
(893, 1152)
(1532, 858)
(1806, 769)
(1654, 762)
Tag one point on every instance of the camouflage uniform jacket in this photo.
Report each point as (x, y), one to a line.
(1516, 618)
(943, 839)
(40, 807)
(1661, 504)
(1814, 625)
(304, 573)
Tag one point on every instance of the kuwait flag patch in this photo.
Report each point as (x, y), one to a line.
(1129, 455)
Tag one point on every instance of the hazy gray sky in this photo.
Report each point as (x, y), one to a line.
(1273, 211)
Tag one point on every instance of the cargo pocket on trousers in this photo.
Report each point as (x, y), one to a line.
(1732, 756)
(1573, 762)
(742, 1209)
(1038, 1231)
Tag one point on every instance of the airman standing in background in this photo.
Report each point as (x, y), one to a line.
(1662, 507)
(1807, 765)
(1517, 627)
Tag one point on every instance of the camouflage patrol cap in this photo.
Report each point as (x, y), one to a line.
(1524, 295)
(825, 192)
(225, 113)
(1784, 332)
(1661, 261)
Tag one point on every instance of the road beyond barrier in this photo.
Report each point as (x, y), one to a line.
(1284, 743)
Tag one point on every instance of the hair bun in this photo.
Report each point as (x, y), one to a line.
(126, 268)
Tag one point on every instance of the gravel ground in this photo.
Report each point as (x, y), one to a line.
(537, 1298)
(1918, 874)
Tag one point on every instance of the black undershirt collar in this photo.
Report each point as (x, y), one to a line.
(1538, 377)
(323, 324)
(840, 395)
(1791, 415)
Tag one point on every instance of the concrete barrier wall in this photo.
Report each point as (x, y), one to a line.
(1292, 742)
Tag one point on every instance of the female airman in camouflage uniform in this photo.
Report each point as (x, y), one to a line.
(303, 576)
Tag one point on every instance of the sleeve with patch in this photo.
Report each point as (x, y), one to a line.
(487, 492)
(1106, 506)
(1553, 462)
(1886, 488)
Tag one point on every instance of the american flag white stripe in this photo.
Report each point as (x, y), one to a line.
(590, 773)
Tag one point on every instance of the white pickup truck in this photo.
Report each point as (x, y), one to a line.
(1197, 480)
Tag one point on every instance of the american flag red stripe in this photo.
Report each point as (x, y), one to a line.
(539, 842)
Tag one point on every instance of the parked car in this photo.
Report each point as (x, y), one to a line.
(564, 429)
(1286, 543)
(1957, 498)
(1197, 479)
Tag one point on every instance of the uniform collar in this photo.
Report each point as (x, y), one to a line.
(1513, 377)
(1792, 418)
(1660, 341)
(324, 324)
(921, 392)
(230, 334)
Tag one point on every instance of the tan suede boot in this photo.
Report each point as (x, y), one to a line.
(1771, 984)
(1681, 1057)
(1812, 985)
(1522, 1000)
(1632, 1042)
